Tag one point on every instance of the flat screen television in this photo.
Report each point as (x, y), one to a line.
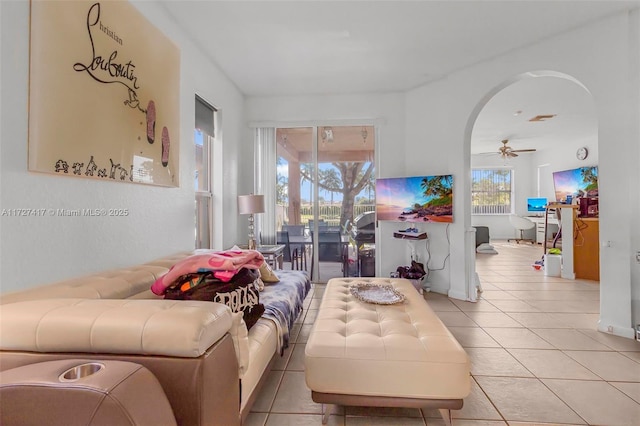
(536, 205)
(415, 199)
(581, 182)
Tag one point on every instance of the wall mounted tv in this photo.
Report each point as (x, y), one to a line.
(581, 182)
(415, 199)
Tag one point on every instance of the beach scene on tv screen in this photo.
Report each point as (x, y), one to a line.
(580, 182)
(536, 204)
(415, 199)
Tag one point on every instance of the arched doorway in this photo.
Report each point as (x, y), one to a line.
(546, 114)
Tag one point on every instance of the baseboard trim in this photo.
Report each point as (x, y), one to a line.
(459, 295)
(616, 330)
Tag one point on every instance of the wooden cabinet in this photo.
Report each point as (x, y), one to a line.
(586, 248)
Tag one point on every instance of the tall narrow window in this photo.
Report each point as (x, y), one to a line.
(491, 191)
(203, 136)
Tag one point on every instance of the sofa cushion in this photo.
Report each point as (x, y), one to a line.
(160, 327)
(114, 284)
(267, 274)
(263, 347)
(240, 336)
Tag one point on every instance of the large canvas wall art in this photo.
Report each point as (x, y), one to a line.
(580, 182)
(415, 199)
(103, 94)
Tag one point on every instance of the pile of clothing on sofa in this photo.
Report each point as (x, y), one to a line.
(231, 277)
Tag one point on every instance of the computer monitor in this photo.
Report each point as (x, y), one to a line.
(536, 205)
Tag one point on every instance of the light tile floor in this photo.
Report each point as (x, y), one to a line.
(536, 357)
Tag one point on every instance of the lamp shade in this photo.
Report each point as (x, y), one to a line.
(249, 204)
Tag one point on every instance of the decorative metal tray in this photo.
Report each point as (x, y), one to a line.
(376, 293)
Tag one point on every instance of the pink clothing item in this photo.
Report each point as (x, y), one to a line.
(224, 264)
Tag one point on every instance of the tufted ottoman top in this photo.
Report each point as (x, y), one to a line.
(402, 350)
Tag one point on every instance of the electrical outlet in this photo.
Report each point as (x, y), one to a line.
(610, 329)
(638, 256)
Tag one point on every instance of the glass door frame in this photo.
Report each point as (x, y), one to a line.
(314, 126)
(315, 272)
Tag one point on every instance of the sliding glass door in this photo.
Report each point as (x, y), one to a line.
(325, 180)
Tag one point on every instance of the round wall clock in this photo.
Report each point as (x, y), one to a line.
(582, 153)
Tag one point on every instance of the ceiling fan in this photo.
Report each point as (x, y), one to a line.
(507, 152)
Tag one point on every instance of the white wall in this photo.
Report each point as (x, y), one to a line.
(385, 110)
(36, 250)
(440, 119)
(634, 193)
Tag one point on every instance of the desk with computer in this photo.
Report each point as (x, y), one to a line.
(578, 187)
(575, 211)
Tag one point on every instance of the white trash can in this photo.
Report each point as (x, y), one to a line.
(552, 265)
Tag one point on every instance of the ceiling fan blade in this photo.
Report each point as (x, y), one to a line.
(512, 154)
(523, 150)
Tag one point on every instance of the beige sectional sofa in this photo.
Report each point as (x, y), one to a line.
(207, 363)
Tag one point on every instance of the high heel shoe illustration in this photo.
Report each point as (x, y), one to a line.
(165, 146)
(151, 122)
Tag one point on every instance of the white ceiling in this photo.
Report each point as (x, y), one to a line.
(336, 47)
(507, 115)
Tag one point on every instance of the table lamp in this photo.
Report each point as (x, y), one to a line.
(250, 204)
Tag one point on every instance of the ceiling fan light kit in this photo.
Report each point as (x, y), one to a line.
(507, 152)
(327, 134)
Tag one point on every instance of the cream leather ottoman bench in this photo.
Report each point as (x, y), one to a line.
(401, 355)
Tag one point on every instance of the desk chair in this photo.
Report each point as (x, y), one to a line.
(299, 231)
(521, 224)
(291, 254)
(294, 229)
(321, 224)
(331, 249)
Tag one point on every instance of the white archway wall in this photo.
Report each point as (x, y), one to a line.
(533, 171)
(439, 123)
